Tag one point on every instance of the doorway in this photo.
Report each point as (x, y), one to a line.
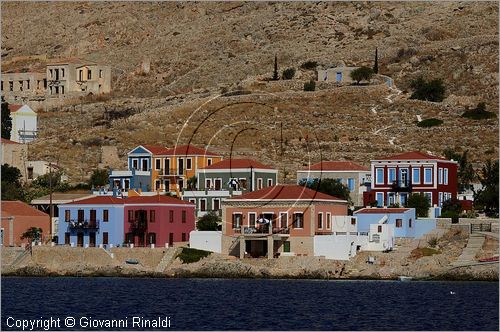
(92, 239)
(79, 240)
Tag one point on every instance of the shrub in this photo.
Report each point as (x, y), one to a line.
(310, 86)
(420, 203)
(421, 252)
(208, 222)
(432, 122)
(451, 209)
(362, 74)
(433, 241)
(190, 255)
(479, 113)
(288, 73)
(309, 65)
(99, 177)
(432, 90)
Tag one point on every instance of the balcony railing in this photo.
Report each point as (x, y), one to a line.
(401, 186)
(138, 225)
(84, 224)
(265, 230)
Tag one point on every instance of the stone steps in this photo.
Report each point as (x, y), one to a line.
(468, 255)
(167, 259)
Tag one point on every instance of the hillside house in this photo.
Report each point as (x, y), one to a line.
(24, 123)
(14, 154)
(339, 74)
(22, 87)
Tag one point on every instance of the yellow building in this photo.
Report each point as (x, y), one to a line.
(174, 167)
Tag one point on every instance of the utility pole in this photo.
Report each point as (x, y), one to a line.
(51, 207)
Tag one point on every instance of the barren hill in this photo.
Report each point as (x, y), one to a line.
(197, 50)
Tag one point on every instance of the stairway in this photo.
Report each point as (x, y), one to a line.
(167, 259)
(468, 255)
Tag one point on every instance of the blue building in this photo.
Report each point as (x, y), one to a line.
(92, 221)
(404, 220)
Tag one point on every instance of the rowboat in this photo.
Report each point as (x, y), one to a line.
(404, 278)
(489, 259)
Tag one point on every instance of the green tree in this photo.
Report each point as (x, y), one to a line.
(310, 86)
(32, 234)
(479, 113)
(375, 65)
(288, 73)
(99, 178)
(275, 73)
(209, 222)
(487, 197)
(6, 120)
(331, 187)
(466, 174)
(12, 188)
(361, 74)
(451, 209)
(432, 90)
(191, 182)
(420, 203)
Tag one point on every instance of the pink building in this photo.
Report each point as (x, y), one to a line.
(278, 220)
(157, 220)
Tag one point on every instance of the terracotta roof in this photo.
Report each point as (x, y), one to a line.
(8, 141)
(14, 108)
(413, 155)
(161, 199)
(382, 210)
(284, 192)
(336, 166)
(155, 149)
(237, 163)
(188, 150)
(18, 208)
(99, 200)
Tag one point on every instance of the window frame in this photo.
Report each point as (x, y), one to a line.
(295, 224)
(379, 177)
(398, 223)
(413, 172)
(391, 171)
(105, 215)
(320, 220)
(189, 163)
(445, 176)
(235, 225)
(152, 216)
(428, 169)
(67, 215)
(183, 216)
(254, 215)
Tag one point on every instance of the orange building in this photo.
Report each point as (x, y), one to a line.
(17, 218)
(278, 220)
(172, 168)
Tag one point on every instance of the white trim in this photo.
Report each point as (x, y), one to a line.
(377, 181)
(322, 220)
(284, 200)
(237, 170)
(445, 176)
(333, 171)
(389, 170)
(281, 222)
(432, 175)
(248, 216)
(440, 175)
(156, 164)
(190, 168)
(210, 181)
(241, 221)
(269, 180)
(328, 217)
(137, 160)
(413, 177)
(260, 183)
(213, 205)
(293, 219)
(203, 199)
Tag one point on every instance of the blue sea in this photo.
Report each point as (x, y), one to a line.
(246, 304)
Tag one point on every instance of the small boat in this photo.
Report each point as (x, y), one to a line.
(132, 261)
(489, 259)
(404, 278)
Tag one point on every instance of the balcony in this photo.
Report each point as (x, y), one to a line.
(138, 226)
(264, 229)
(172, 172)
(84, 224)
(401, 186)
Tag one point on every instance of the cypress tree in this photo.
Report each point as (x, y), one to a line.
(275, 75)
(375, 66)
(6, 120)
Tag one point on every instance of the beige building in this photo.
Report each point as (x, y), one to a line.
(14, 154)
(22, 87)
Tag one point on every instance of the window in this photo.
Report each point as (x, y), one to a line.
(131, 216)
(152, 238)
(181, 184)
(170, 239)
(392, 175)
(81, 215)
(379, 228)
(100, 73)
(67, 215)
(105, 238)
(284, 220)
(145, 165)
(20, 85)
(171, 216)
(203, 204)
(236, 220)
(350, 184)
(379, 176)
(157, 164)
(216, 204)
(89, 74)
(416, 175)
(429, 197)
(399, 223)
(62, 72)
(269, 182)
(259, 183)
(243, 183)
(440, 199)
(189, 163)
(67, 238)
(320, 220)
(11, 85)
(208, 183)
(440, 175)
(218, 184)
(427, 175)
(135, 164)
(298, 220)
(184, 216)
(62, 89)
(126, 184)
(30, 172)
(183, 237)
(152, 215)
(157, 184)
(251, 219)
(353, 221)
(28, 84)
(445, 176)
(380, 199)
(328, 220)
(80, 75)
(286, 246)
(51, 74)
(409, 223)
(1, 87)
(105, 215)
(209, 161)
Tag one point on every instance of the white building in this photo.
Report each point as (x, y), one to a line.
(24, 123)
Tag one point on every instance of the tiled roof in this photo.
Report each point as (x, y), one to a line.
(413, 155)
(285, 192)
(14, 107)
(160, 199)
(336, 166)
(99, 200)
(382, 210)
(18, 208)
(237, 163)
(188, 150)
(155, 149)
(8, 141)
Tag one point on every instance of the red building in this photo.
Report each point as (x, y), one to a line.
(395, 178)
(157, 220)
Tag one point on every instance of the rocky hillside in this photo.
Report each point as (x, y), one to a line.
(198, 50)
